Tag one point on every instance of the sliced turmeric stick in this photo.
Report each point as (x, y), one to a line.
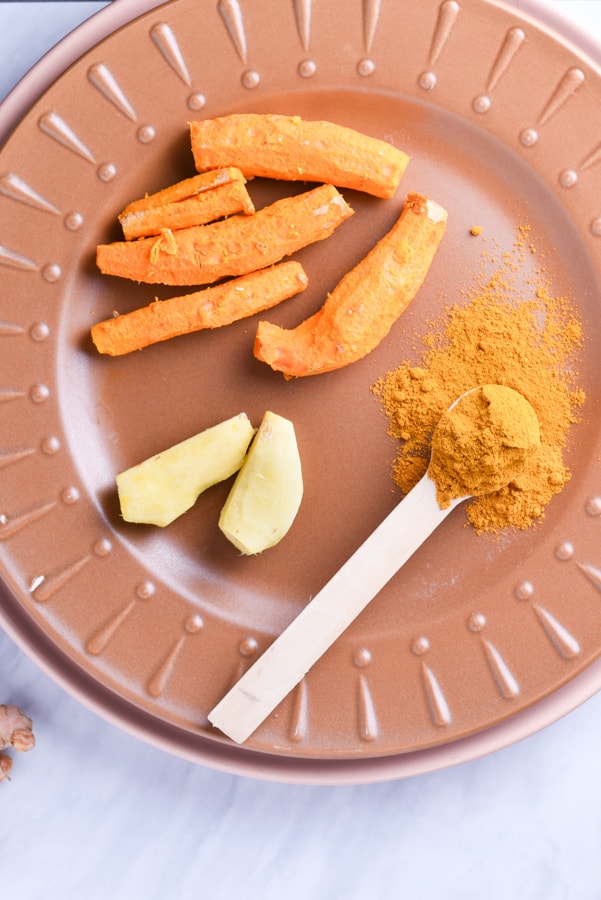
(203, 207)
(291, 148)
(188, 187)
(210, 308)
(362, 308)
(235, 246)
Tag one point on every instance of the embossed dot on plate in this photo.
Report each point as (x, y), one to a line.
(197, 101)
(193, 624)
(366, 67)
(251, 79)
(70, 495)
(73, 221)
(39, 393)
(248, 646)
(564, 551)
(596, 226)
(145, 590)
(103, 547)
(528, 137)
(481, 104)
(39, 332)
(362, 658)
(146, 134)
(50, 445)
(568, 178)
(52, 272)
(524, 590)
(420, 646)
(427, 81)
(307, 68)
(476, 622)
(107, 171)
(593, 506)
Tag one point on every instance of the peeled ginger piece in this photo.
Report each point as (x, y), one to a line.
(165, 486)
(268, 489)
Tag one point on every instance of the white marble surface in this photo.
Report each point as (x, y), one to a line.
(93, 813)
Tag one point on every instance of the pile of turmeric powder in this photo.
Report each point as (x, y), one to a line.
(524, 339)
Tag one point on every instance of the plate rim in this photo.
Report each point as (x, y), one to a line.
(222, 755)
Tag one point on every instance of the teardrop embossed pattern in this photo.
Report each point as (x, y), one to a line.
(152, 626)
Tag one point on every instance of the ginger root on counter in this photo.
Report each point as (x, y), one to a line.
(16, 730)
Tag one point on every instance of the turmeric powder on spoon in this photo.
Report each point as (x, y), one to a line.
(525, 340)
(482, 443)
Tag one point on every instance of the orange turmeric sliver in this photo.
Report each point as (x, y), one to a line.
(235, 246)
(294, 149)
(363, 307)
(212, 307)
(188, 187)
(199, 209)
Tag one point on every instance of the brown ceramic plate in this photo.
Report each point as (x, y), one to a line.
(467, 647)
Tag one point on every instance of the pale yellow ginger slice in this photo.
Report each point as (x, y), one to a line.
(163, 487)
(268, 489)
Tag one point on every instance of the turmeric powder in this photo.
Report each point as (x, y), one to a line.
(482, 443)
(497, 335)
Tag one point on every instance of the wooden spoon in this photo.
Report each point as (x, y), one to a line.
(279, 669)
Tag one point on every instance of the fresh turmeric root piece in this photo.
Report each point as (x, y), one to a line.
(183, 190)
(290, 148)
(362, 308)
(16, 731)
(203, 207)
(209, 308)
(234, 246)
(6, 765)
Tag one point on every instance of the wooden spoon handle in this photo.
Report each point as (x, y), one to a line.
(279, 669)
